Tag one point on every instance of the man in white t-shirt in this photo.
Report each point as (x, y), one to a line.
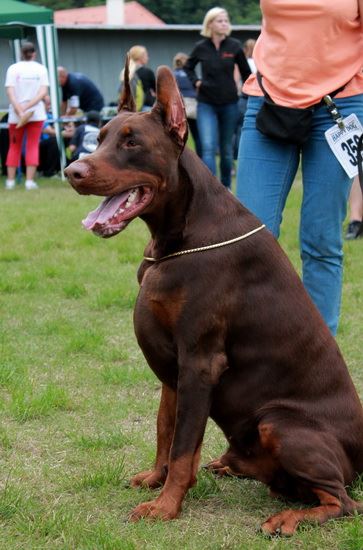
(26, 85)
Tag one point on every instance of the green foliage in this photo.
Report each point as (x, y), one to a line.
(191, 12)
(250, 13)
(27, 404)
(66, 4)
(5, 442)
(78, 402)
(126, 375)
(107, 474)
(11, 502)
(178, 12)
(57, 4)
(207, 486)
(102, 441)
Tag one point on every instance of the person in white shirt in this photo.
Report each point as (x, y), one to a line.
(26, 85)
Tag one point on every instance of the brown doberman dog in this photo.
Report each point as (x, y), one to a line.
(225, 324)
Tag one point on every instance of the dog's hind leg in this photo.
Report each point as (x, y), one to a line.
(286, 522)
(165, 430)
(220, 466)
(261, 466)
(316, 467)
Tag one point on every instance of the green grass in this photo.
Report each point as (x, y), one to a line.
(78, 402)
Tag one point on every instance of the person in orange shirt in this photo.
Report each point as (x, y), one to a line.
(306, 50)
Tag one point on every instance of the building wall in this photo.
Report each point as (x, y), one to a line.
(100, 53)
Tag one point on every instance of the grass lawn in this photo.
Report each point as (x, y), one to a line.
(78, 403)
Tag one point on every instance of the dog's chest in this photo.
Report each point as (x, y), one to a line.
(166, 307)
(165, 302)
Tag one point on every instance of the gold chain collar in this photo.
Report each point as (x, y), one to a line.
(208, 247)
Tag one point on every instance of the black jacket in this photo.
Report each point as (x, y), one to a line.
(147, 78)
(218, 86)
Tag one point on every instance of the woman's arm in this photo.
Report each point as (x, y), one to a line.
(189, 66)
(19, 109)
(243, 65)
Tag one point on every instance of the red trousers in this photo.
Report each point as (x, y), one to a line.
(16, 135)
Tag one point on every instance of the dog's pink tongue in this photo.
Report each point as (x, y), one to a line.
(105, 211)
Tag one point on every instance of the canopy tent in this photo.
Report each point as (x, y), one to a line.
(15, 17)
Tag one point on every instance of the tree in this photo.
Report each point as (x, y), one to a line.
(65, 4)
(178, 12)
(250, 13)
(193, 11)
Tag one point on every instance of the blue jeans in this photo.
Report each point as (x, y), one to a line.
(216, 126)
(266, 171)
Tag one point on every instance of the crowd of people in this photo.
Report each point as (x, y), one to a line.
(230, 94)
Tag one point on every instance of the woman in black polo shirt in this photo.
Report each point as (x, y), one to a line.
(217, 91)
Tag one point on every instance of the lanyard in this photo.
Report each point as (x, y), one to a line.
(334, 111)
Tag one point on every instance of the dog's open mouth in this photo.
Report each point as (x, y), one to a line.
(114, 213)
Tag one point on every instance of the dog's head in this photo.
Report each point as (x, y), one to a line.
(136, 159)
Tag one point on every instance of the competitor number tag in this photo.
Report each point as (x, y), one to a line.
(343, 143)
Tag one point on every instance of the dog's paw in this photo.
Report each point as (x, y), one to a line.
(217, 468)
(284, 524)
(155, 509)
(151, 479)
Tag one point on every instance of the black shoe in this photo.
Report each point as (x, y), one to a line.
(353, 231)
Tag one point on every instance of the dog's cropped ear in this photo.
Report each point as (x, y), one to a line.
(127, 102)
(170, 104)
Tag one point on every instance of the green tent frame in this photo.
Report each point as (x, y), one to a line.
(15, 17)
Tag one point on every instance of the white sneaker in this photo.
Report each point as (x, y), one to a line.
(31, 185)
(9, 184)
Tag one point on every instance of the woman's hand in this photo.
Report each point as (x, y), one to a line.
(19, 109)
(25, 106)
(43, 91)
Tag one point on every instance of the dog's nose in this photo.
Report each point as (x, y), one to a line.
(77, 172)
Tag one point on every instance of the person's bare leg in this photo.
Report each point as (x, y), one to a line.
(356, 201)
(355, 226)
(10, 179)
(11, 172)
(29, 174)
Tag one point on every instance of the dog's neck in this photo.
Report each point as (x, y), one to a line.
(167, 225)
(190, 212)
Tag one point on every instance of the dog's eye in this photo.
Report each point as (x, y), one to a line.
(131, 143)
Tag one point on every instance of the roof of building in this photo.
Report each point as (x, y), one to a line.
(134, 14)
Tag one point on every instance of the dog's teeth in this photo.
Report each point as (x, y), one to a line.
(131, 198)
(118, 211)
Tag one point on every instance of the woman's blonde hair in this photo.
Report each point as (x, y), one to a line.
(208, 18)
(136, 52)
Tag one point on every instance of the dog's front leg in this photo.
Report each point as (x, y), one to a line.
(165, 430)
(195, 385)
